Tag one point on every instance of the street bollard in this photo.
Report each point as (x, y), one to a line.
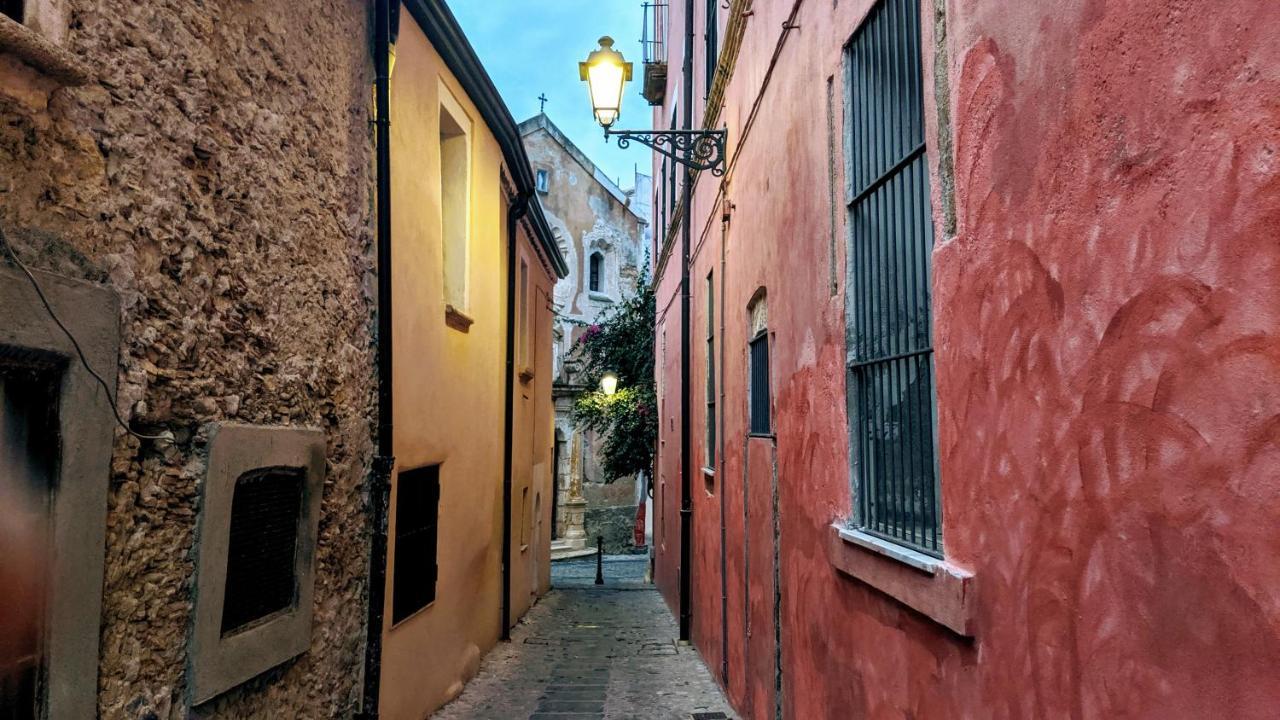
(599, 559)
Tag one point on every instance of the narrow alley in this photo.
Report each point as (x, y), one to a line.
(593, 651)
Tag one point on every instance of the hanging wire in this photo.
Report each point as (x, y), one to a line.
(165, 436)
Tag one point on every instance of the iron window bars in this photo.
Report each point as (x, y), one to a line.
(891, 373)
(761, 423)
(713, 43)
(711, 372)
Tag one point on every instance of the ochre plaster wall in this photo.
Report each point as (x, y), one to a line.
(449, 390)
(1106, 337)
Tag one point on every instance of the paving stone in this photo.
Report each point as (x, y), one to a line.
(592, 652)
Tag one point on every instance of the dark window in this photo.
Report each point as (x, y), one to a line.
(28, 467)
(891, 375)
(711, 371)
(713, 41)
(760, 421)
(417, 517)
(597, 263)
(12, 8)
(265, 511)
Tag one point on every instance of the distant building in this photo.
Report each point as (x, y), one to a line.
(602, 231)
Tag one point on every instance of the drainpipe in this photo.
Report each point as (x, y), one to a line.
(380, 479)
(686, 437)
(515, 212)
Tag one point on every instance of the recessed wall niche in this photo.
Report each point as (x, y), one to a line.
(255, 554)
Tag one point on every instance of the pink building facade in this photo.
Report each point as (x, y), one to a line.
(985, 369)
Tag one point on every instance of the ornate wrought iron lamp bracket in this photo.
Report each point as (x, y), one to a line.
(696, 149)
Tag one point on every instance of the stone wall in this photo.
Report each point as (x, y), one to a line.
(216, 174)
(616, 524)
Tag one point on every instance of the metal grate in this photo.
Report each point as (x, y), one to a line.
(711, 371)
(653, 36)
(761, 423)
(417, 517)
(265, 511)
(713, 42)
(891, 241)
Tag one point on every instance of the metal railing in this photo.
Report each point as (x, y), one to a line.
(654, 37)
(891, 372)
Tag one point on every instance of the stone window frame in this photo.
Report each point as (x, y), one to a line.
(218, 663)
(939, 589)
(457, 300)
(79, 501)
(37, 41)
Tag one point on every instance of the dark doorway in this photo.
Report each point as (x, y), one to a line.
(12, 8)
(28, 468)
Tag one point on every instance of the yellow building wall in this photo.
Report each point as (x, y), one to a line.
(448, 397)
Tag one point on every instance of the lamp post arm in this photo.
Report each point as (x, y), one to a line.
(695, 149)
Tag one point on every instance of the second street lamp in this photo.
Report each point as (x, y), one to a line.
(606, 73)
(609, 383)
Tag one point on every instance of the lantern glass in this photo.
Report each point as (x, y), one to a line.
(606, 73)
(609, 383)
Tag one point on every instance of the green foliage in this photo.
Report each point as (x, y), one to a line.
(621, 343)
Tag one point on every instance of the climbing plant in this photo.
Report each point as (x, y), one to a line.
(621, 342)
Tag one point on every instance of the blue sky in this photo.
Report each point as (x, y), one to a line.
(530, 48)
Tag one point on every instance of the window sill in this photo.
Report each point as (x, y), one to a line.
(934, 588)
(601, 297)
(709, 472)
(35, 50)
(457, 319)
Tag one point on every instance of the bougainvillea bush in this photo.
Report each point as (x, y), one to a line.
(621, 342)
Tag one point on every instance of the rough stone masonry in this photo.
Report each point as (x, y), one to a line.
(216, 173)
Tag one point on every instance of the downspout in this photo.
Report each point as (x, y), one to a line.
(380, 479)
(686, 438)
(515, 212)
(726, 214)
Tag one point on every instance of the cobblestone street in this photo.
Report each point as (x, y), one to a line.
(588, 651)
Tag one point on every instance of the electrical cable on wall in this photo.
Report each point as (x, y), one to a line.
(165, 436)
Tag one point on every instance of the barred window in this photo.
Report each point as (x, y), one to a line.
(711, 372)
(761, 399)
(416, 564)
(713, 42)
(891, 375)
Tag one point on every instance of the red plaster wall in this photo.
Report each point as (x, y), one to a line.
(1107, 314)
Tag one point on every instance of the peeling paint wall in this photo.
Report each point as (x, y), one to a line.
(1106, 284)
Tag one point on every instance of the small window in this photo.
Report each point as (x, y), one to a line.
(12, 9)
(417, 519)
(543, 181)
(265, 511)
(522, 317)
(760, 399)
(524, 517)
(711, 372)
(596, 270)
(713, 42)
(455, 198)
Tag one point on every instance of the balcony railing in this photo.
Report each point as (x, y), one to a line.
(654, 42)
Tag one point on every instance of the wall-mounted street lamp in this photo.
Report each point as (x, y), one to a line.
(606, 73)
(609, 383)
